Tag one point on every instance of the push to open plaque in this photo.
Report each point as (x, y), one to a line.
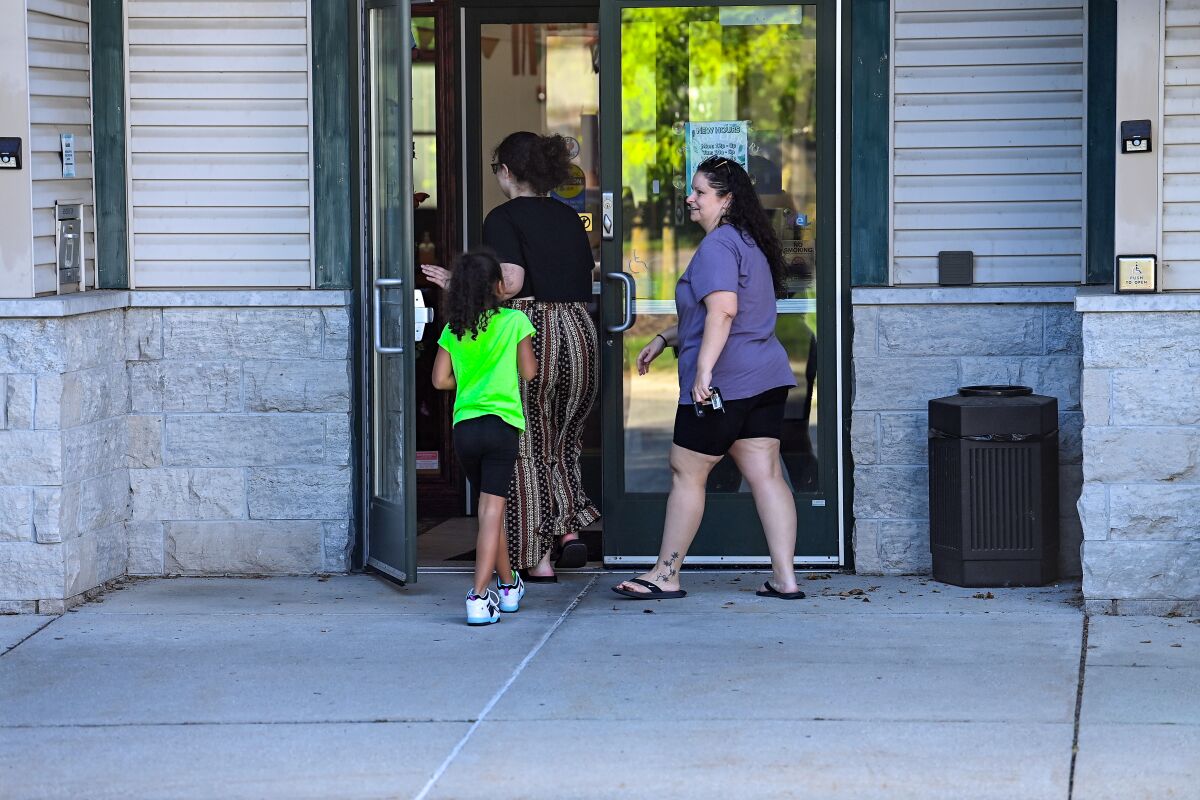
(1137, 274)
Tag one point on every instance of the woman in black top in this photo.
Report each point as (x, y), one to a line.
(547, 264)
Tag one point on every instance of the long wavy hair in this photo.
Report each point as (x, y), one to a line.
(471, 297)
(746, 212)
(542, 162)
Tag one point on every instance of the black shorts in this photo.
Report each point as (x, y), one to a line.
(487, 450)
(757, 417)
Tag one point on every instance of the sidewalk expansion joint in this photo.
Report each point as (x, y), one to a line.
(1083, 649)
(226, 723)
(473, 720)
(441, 770)
(25, 639)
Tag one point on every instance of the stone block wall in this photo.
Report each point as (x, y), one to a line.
(239, 439)
(160, 433)
(913, 345)
(64, 483)
(1140, 504)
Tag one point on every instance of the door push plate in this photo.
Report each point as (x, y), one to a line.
(606, 216)
(422, 314)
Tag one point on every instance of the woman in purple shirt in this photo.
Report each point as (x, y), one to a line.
(727, 346)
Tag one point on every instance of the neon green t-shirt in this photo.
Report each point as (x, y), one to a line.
(485, 368)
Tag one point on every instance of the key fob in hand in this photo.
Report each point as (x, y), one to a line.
(714, 402)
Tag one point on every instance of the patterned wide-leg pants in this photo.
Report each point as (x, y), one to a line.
(546, 498)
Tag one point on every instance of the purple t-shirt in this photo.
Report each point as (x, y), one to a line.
(753, 360)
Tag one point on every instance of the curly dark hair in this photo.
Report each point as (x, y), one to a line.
(543, 162)
(746, 212)
(471, 297)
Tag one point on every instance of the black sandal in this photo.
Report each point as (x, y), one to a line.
(655, 592)
(573, 555)
(770, 591)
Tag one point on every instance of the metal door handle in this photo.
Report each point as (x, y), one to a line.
(630, 295)
(380, 285)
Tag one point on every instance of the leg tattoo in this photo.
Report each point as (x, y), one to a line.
(669, 570)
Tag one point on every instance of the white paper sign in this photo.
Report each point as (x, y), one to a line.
(725, 139)
(68, 154)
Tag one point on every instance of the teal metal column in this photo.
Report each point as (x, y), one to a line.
(333, 235)
(870, 70)
(1101, 139)
(108, 145)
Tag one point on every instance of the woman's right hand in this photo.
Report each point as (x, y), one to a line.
(651, 351)
(440, 276)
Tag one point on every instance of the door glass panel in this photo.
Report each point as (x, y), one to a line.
(389, 246)
(543, 77)
(739, 81)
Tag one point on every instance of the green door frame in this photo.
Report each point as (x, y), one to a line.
(626, 515)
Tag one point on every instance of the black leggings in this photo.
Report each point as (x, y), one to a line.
(487, 450)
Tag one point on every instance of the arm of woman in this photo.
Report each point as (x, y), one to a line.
(720, 309)
(655, 347)
(501, 235)
(443, 371)
(439, 276)
(513, 275)
(514, 279)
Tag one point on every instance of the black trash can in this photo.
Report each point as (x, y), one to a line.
(993, 487)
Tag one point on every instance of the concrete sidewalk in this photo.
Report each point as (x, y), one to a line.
(353, 688)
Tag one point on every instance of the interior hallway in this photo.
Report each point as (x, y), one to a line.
(350, 687)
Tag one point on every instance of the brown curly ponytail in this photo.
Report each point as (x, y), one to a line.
(543, 162)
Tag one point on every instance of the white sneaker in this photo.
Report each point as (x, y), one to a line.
(510, 594)
(483, 610)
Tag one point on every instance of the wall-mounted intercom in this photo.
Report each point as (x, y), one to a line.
(68, 240)
(10, 152)
(956, 267)
(1135, 136)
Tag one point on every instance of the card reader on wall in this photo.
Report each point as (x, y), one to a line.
(1135, 136)
(10, 152)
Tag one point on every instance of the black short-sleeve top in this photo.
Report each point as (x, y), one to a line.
(546, 237)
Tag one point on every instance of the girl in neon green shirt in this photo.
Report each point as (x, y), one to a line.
(481, 352)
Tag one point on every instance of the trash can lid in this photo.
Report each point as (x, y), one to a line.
(990, 410)
(994, 390)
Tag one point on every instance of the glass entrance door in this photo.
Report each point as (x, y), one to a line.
(755, 84)
(391, 520)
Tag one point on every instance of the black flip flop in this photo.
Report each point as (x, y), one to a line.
(771, 591)
(655, 592)
(525, 576)
(573, 555)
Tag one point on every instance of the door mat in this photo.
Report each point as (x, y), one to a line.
(590, 538)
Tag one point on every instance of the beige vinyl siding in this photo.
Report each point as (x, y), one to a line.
(1181, 142)
(60, 101)
(219, 143)
(988, 138)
